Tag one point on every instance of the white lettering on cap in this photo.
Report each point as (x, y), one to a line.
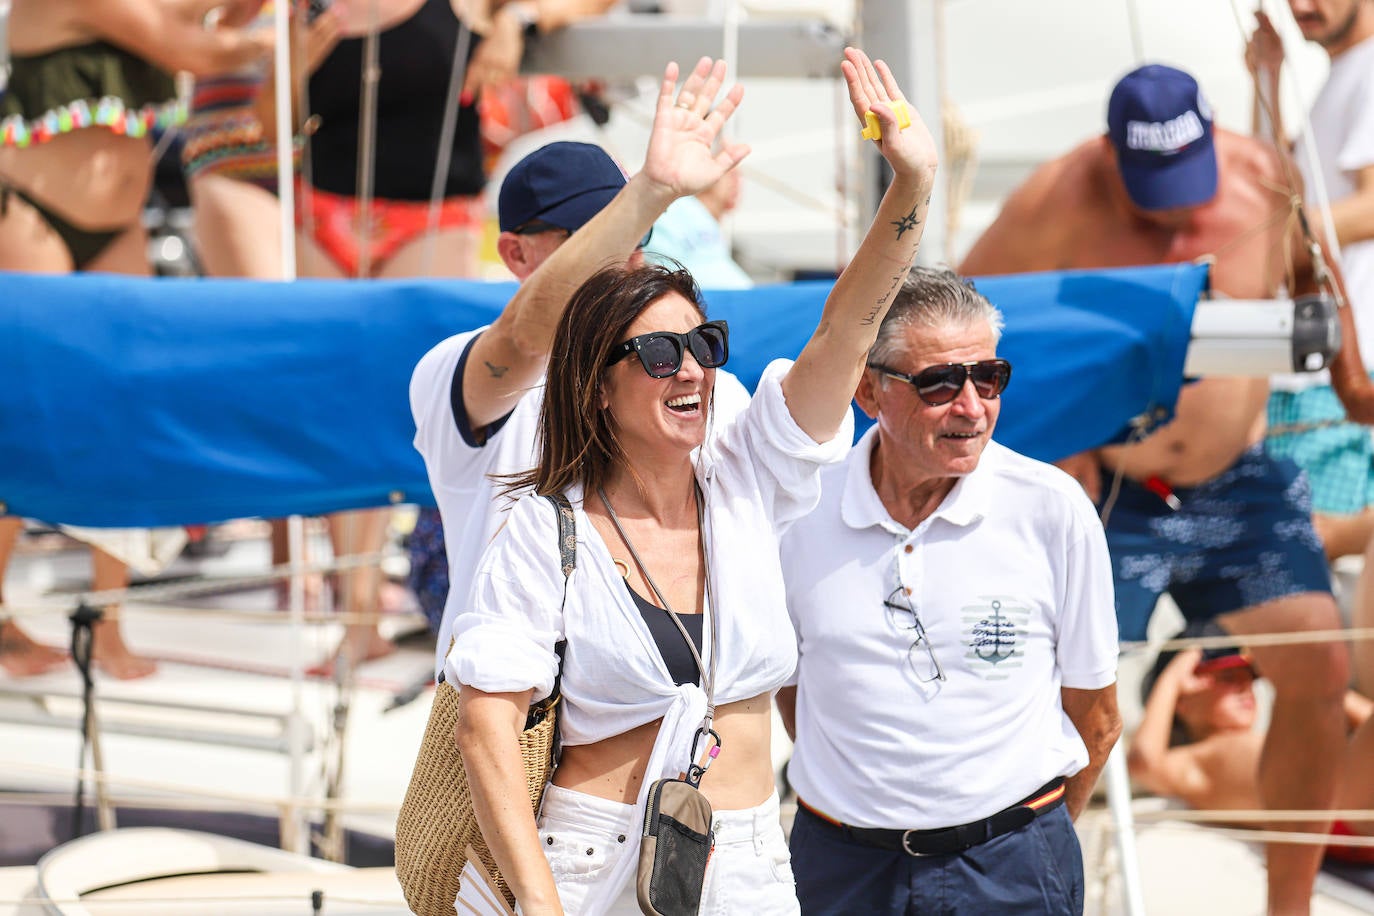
(1166, 137)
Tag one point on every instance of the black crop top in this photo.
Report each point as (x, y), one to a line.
(415, 56)
(676, 656)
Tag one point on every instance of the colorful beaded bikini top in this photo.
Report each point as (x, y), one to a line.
(110, 112)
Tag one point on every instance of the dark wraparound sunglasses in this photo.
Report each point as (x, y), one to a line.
(536, 226)
(660, 352)
(937, 385)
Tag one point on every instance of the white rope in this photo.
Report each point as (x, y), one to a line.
(285, 128)
(1214, 815)
(278, 803)
(1281, 836)
(730, 54)
(1309, 145)
(220, 902)
(444, 155)
(1356, 634)
(1137, 40)
(367, 139)
(209, 585)
(1318, 191)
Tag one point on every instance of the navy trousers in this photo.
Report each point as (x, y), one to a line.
(1037, 869)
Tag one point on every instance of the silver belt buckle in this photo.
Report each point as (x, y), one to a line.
(906, 846)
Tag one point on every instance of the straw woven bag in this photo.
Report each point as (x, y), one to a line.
(436, 823)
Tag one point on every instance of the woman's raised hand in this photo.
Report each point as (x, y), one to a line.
(909, 150)
(680, 156)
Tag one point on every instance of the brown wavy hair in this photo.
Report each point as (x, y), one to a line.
(577, 441)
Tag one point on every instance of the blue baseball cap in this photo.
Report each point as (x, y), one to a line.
(1161, 126)
(564, 184)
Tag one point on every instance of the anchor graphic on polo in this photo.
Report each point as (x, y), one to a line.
(995, 634)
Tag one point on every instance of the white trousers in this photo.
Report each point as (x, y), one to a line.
(750, 871)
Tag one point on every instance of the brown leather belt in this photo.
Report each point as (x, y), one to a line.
(943, 841)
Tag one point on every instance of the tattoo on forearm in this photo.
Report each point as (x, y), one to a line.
(906, 222)
(497, 371)
(880, 307)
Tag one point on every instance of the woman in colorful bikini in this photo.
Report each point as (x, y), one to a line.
(229, 155)
(90, 82)
(417, 42)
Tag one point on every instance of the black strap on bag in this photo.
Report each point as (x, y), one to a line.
(567, 561)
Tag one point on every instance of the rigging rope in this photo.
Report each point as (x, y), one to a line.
(1321, 273)
(367, 139)
(444, 155)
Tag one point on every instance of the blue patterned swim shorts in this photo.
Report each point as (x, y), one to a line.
(429, 566)
(1240, 539)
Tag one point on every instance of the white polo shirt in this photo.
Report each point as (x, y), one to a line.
(1012, 581)
(461, 465)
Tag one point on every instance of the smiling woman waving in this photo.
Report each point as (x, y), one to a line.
(673, 626)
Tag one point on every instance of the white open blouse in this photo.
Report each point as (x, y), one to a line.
(759, 473)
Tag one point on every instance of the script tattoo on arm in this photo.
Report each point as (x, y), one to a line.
(496, 371)
(879, 306)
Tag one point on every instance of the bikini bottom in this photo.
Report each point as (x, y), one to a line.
(393, 224)
(84, 245)
(1355, 855)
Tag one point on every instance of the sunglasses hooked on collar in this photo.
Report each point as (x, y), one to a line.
(660, 352)
(939, 385)
(536, 226)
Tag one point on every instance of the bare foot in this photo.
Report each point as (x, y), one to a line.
(113, 657)
(22, 656)
(360, 644)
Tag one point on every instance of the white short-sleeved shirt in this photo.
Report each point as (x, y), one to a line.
(461, 463)
(1013, 584)
(1342, 119)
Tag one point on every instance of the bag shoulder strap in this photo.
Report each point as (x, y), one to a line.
(567, 561)
(567, 535)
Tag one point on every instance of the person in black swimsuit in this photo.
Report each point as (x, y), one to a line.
(90, 81)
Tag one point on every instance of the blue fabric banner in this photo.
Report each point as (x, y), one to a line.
(136, 402)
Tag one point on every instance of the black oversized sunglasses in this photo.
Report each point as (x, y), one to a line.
(660, 352)
(937, 385)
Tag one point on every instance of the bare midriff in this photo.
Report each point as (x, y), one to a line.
(1216, 420)
(741, 777)
(93, 178)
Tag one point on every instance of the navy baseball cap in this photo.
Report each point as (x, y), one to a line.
(1161, 127)
(564, 184)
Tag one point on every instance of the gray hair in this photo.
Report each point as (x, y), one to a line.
(932, 298)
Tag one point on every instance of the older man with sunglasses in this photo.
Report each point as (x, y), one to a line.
(956, 696)
(566, 210)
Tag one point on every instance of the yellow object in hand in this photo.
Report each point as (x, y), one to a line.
(874, 130)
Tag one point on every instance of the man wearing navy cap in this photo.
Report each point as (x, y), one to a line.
(565, 211)
(1202, 512)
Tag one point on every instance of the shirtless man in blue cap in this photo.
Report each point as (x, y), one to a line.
(1203, 512)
